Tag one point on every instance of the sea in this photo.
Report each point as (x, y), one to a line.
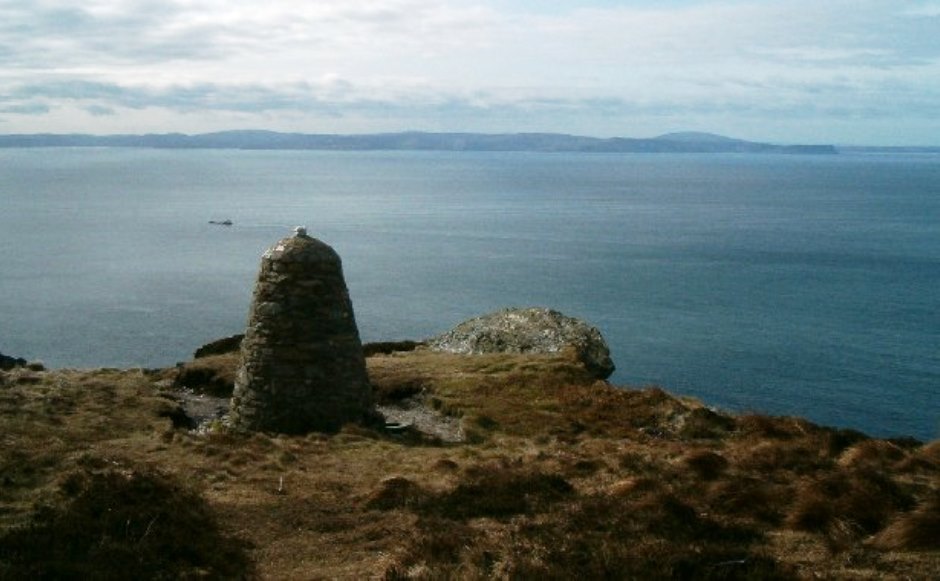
(783, 284)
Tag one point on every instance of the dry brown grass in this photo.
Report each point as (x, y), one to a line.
(213, 374)
(706, 464)
(642, 534)
(872, 454)
(918, 530)
(110, 520)
(564, 477)
(924, 460)
(861, 501)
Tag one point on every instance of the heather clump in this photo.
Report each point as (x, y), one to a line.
(121, 521)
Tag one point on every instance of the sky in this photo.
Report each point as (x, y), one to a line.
(848, 72)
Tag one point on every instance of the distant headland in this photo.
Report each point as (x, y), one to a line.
(684, 142)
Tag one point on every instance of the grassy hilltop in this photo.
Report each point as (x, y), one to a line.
(540, 471)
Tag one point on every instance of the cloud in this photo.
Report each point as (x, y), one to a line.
(100, 111)
(929, 9)
(26, 109)
(336, 97)
(446, 40)
(582, 63)
(50, 35)
(112, 38)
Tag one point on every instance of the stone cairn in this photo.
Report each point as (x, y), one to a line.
(302, 365)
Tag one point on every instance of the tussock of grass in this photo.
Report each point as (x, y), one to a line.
(396, 389)
(840, 439)
(601, 409)
(860, 500)
(918, 530)
(772, 427)
(492, 490)
(750, 498)
(650, 535)
(441, 549)
(706, 465)
(497, 491)
(787, 455)
(872, 454)
(213, 374)
(930, 452)
(924, 460)
(704, 424)
(641, 462)
(397, 492)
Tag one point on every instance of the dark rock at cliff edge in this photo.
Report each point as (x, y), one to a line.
(7, 362)
(530, 330)
(220, 346)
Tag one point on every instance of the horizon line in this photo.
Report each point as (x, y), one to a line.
(707, 136)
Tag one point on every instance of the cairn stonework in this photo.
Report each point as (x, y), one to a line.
(302, 366)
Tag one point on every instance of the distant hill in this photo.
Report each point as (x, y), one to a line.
(547, 142)
(697, 137)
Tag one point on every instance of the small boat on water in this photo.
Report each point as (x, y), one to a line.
(221, 223)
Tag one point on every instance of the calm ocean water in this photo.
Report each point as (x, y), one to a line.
(786, 284)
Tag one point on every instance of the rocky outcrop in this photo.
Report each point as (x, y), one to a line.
(531, 330)
(389, 347)
(220, 346)
(7, 362)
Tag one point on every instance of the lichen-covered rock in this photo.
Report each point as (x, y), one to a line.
(531, 330)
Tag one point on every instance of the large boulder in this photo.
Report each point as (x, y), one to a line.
(531, 330)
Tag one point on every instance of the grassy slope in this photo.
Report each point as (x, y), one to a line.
(561, 476)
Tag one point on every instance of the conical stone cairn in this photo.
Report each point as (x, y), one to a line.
(302, 367)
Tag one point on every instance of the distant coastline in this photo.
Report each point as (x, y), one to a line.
(687, 142)
(875, 149)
